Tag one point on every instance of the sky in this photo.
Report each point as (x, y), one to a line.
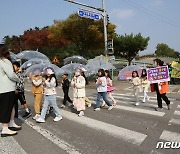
(157, 19)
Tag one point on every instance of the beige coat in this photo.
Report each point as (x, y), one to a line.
(79, 86)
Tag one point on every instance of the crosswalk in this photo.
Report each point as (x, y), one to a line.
(132, 136)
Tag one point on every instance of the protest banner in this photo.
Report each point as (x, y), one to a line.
(158, 74)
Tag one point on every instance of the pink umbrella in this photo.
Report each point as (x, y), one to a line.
(126, 73)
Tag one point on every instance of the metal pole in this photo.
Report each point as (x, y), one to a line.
(105, 27)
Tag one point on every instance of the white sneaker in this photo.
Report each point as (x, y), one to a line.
(97, 109)
(36, 116)
(63, 106)
(41, 120)
(57, 119)
(89, 105)
(110, 108)
(137, 104)
(81, 114)
(148, 98)
(8, 133)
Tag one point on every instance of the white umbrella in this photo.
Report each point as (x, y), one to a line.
(71, 68)
(30, 54)
(98, 63)
(75, 59)
(32, 62)
(13, 56)
(42, 67)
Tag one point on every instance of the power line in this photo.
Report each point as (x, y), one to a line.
(151, 13)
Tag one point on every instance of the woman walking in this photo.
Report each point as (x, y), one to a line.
(136, 85)
(79, 83)
(50, 84)
(160, 88)
(110, 88)
(8, 80)
(87, 101)
(144, 85)
(101, 85)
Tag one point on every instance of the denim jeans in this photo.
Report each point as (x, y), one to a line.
(50, 99)
(104, 96)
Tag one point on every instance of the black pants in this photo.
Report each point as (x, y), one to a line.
(160, 97)
(66, 96)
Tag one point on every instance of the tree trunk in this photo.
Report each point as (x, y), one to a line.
(129, 62)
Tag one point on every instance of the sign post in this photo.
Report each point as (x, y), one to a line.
(89, 14)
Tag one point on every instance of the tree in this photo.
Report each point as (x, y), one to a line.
(36, 38)
(13, 43)
(128, 46)
(86, 34)
(164, 50)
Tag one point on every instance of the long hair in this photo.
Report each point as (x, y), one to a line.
(143, 75)
(136, 73)
(102, 72)
(52, 76)
(83, 74)
(108, 74)
(4, 53)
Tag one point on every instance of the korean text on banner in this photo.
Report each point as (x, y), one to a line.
(156, 75)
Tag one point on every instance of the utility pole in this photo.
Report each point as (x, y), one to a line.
(103, 12)
(105, 27)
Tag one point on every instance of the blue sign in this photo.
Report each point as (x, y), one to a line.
(87, 14)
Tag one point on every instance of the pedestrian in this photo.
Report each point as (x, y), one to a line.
(87, 101)
(8, 79)
(78, 83)
(144, 85)
(101, 85)
(65, 87)
(50, 84)
(37, 89)
(110, 88)
(160, 88)
(136, 86)
(20, 95)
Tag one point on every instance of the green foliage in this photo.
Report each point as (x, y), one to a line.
(86, 34)
(164, 50)
(128, 46)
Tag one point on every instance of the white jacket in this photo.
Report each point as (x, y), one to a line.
(50, 87)
(79, 87)
(8, 77)
(103, 86)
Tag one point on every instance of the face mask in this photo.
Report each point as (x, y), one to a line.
(154, 65)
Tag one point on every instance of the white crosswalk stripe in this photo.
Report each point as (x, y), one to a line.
(175, 121)
(170, 136)
(138, 110)
(53, 138)
(177, 112)
(178, 106)
(131, 95)
(8, 145)
(119, 132)
(147, 104)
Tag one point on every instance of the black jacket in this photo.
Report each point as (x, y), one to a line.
(65, 84)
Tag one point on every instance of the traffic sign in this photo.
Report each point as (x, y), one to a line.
(88, 14)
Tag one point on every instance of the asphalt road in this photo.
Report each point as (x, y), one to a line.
(127, 129)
